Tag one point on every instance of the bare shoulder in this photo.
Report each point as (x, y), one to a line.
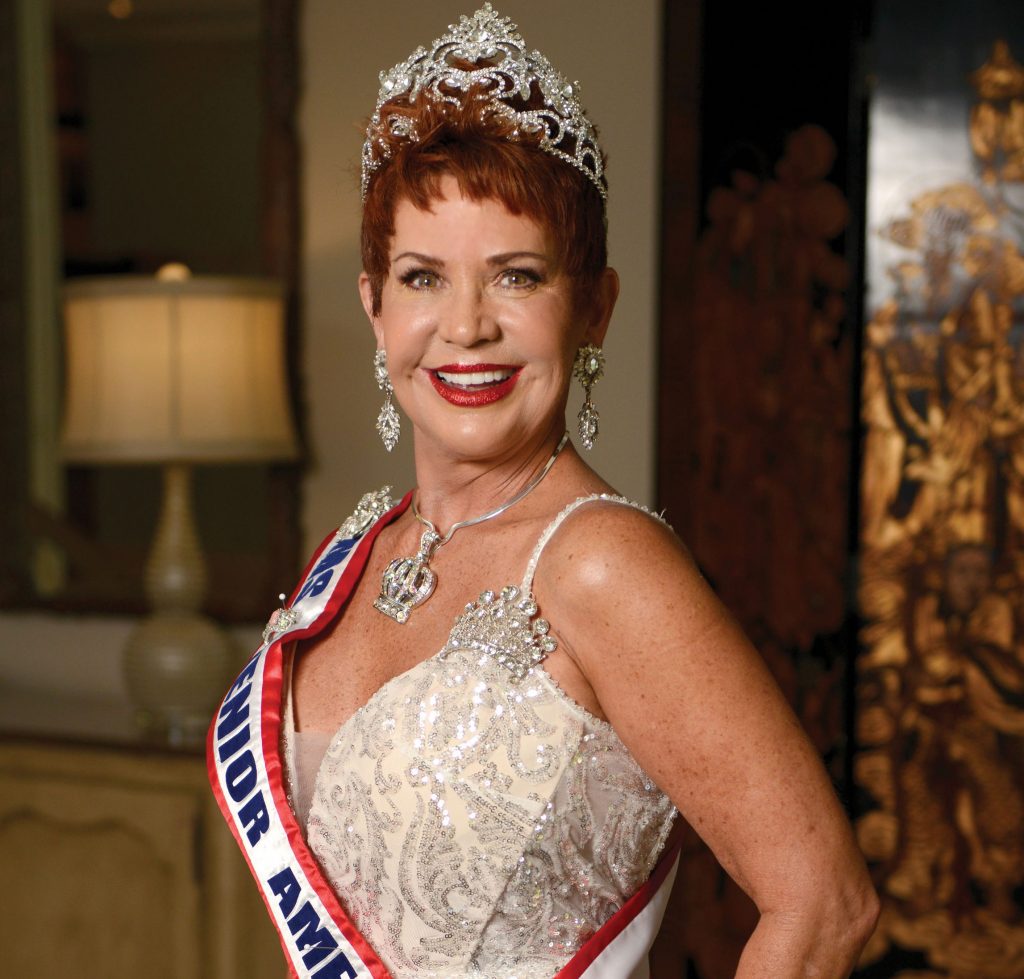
(612, 558)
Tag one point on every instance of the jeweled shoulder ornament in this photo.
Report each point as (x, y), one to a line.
(505, 76)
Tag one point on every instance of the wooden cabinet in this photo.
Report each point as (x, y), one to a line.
(115, 862)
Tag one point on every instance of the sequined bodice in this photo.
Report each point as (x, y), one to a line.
(473, 819)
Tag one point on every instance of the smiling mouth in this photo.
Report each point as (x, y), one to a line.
(474, 385)
(475, 379)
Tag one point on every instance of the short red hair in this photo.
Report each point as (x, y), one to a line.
(471, 142)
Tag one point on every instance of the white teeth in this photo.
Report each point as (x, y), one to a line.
(477, 377)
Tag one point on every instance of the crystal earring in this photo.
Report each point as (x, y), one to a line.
(588, 369)
(389, 425)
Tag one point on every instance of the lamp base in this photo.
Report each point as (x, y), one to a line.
(176, 666)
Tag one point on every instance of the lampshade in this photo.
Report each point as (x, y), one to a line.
(175, 371)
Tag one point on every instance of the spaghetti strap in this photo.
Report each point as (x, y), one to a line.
(549, 531)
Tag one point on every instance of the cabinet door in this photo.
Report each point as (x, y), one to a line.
(99, 867)
(115, 862)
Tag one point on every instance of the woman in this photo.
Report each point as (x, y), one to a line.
(496, 798)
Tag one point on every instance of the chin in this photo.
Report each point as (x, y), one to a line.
(482, 436)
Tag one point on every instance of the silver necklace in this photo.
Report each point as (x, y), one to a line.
(409, 581)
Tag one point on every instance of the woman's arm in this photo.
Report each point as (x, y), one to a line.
(700, 712)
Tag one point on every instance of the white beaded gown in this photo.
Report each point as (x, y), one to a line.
(476, 822)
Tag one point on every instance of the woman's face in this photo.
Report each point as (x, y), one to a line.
(479, 327)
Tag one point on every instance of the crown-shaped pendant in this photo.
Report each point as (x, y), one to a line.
(408, 581)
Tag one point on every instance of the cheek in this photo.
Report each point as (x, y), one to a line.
(403, 331)
(551, 333)
(552, 357)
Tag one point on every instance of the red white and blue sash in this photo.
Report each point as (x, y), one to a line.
(247, 775)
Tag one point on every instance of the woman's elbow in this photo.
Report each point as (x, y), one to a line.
(853, 902)
(863, 909)
(842, 901)
(848, 908)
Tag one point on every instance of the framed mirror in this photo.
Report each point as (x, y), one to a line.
(134, 133)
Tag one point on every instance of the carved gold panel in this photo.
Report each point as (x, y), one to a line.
(940, 677)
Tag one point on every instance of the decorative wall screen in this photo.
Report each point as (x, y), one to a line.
(940, 674)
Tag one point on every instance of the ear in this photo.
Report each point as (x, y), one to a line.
(602, 307)
(366, 297)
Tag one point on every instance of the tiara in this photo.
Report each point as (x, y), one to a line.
(507, 73)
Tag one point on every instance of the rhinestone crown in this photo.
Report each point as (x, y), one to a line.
(507, 73)
(505, 628)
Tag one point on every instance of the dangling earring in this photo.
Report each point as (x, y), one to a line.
(389, 425)
(588, 369)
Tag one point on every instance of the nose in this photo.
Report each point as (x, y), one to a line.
(468, 318)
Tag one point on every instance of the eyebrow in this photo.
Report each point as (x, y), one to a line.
(507, 257)
(502, 259)
(419, 257)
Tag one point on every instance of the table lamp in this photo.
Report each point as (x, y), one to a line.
(175, 370)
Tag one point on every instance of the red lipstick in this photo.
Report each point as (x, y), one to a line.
(474, 395)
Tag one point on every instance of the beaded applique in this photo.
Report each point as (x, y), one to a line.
(503, 626)
(371, 507)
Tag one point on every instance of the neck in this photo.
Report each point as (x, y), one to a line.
(455, 490)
